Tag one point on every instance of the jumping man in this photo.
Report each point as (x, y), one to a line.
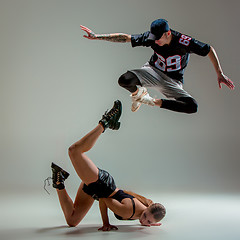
(165, 69)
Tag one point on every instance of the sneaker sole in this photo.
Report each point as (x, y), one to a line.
(119, 106)
(135, 109)
(142, 95)
(117, 126)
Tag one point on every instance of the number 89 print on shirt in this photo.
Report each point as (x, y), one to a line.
(173, 58)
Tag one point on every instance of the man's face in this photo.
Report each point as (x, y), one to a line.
(163, 40)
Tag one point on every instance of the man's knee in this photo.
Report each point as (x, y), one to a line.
(128, 79)
(121, 80)
(192, 106)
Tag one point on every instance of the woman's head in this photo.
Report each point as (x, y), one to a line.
(153, 214)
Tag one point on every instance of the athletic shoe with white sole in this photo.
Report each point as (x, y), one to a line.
(141, 97)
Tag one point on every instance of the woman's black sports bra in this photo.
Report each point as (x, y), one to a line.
(119, 196)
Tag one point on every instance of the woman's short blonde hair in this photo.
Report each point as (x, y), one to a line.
(158, 211)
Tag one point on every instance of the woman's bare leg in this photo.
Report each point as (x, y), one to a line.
(74, 212)
(83, 165)
(85, 168)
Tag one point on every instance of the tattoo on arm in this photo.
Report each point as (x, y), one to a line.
(114, 37)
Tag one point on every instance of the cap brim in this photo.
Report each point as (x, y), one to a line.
(152, 37)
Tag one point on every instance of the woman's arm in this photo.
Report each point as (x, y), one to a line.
(123, 209)
(104, 213)
(112, 37)
(216, 64)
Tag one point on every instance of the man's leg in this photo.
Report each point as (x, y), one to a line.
(139, 94)
(149, 76)
(182, 104)
(129, 81)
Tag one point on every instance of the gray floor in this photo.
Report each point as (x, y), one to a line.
(189, 216)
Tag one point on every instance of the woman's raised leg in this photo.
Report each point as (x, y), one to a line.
(83, 165)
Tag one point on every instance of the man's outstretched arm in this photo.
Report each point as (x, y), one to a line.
(112, 37)
(222, 79)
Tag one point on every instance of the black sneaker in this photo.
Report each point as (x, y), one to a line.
(111, 117)
(58, 176)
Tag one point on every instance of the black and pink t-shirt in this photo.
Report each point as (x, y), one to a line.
(171, 59)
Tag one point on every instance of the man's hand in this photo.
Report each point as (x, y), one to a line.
(222, 79)
(90, 34)
(108, 227)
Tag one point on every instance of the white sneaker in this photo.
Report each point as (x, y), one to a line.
(141, 97)
(146, 99)
(135, 104)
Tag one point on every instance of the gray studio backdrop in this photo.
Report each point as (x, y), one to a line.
(55, 85)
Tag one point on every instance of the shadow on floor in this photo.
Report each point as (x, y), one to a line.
(85, 229)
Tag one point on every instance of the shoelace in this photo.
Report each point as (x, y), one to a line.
(47, 180)
(58, 176)
(111, 112)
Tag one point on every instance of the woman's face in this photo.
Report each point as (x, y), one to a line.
(147, 218)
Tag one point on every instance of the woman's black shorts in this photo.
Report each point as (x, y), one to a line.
(102, 188)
